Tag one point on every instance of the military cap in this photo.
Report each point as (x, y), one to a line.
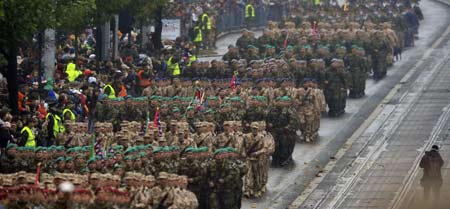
(209, 111)
(79, 156)
(130, 150)
(163, 175)
(128, 158)
(91, 160)
(225, 150)
(189, 108)
(225, 105)
(176, 109)
(51, 148)
(212, 98)
(140, 155)
(60, 148)
(11, 145)
(254, 125)
(283, 99)
(251, 47)
(117, 147)
(40, 149)
(68, 159)
(60, 159)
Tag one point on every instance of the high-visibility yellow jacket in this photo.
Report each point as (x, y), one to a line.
(174, 67)
(72, 115)
(58, 127)
(112, 92)
(72, 72)
(206, 22)
(31, 140)
(249, 11)
(199, 37)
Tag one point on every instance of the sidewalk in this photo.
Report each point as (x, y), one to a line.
(286, 184)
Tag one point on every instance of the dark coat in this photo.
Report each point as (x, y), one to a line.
(431, 163)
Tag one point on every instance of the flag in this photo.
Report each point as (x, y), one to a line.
(147, 124)
(92, 151)
(314, 28)
(345, 6)
(197, 92)
(157, 122)
(97, 148)
(285, 43)
(38, 174)
(233, 82)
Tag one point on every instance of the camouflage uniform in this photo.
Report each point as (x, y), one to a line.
(282, 123)
(357, 66)
(336, 89)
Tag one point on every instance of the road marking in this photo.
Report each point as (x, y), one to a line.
(407, 184)
(313, 185)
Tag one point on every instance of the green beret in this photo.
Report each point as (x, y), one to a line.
(108, 155)
(175, 98)
(251, 47)
(68, 159)
(289, 47)
(79, 155)
(117, 147)
(212, 98)
(72, 149)
(28, 149)
(338, 46)
(189, 150)
(60, 159)
(210, 111)
(141, 147)
(59, 148)
(128, 158)
(154, 97)
(176, 109)
(202, 149)
(148, 146)
(20, 148)
(117, 166)
(235, 99)
(225, 150)
(84, 170)
(158, 150)
(86, 148)
(39, 149)
(11, 145)
(268, 46)
(284, 99)
(98, 157)
(225, 105)
(189, 108)
(140, 155)
(306, 46)
(51, 148)
(130, 150)
(91, 160)
(323, 47)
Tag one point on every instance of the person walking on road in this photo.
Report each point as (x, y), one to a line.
(432, 163)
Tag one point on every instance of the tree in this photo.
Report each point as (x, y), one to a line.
(150, 11)
(20, 21)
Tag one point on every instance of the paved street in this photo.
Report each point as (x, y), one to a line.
(286, 184)
(379, 169)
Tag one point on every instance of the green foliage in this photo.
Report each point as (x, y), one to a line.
(22, 19)
(107, 8)
(144, 10)
(74, 15)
